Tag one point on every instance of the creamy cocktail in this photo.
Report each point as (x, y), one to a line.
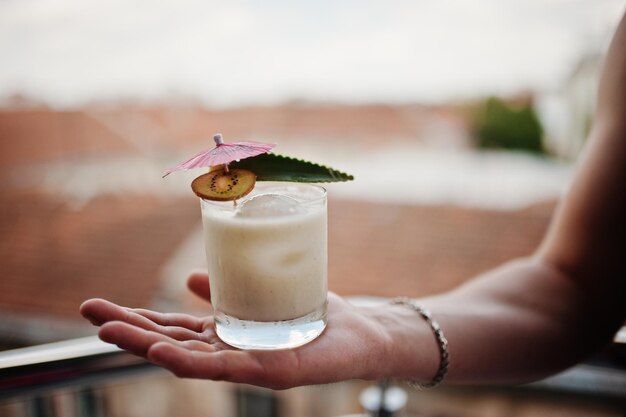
(267, 264)
(266, 244)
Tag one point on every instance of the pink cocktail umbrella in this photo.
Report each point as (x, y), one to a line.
(223, 154)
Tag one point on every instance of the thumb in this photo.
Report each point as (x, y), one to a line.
(198, 283)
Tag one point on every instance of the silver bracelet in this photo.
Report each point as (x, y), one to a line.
(444, 362)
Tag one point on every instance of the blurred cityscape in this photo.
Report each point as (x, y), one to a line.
(445, 187)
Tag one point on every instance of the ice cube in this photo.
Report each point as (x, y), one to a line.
(269, 205)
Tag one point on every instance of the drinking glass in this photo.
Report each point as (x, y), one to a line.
(267, 263)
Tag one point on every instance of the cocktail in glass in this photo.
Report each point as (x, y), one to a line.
(267, 264)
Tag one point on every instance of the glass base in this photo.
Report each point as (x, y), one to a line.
(269, 335)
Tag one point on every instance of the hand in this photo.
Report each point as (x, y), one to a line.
(352, 346)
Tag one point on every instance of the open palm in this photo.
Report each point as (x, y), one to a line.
(352, 346)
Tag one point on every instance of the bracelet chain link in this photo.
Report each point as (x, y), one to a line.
(442, 343)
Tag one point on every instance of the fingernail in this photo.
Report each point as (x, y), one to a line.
(91, 319)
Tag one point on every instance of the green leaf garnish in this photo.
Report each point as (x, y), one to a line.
(272, 167)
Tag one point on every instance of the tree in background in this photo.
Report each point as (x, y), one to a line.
(503, 126)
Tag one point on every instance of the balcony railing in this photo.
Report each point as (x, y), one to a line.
(67, 363)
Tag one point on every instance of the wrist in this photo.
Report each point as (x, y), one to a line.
(411, 350)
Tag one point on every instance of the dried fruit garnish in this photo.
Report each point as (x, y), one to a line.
(222, 185)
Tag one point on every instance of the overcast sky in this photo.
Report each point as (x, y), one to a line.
(226, 53)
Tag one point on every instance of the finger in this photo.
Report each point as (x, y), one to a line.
(138, 341)
(198, 283)
(199, 346)
(172, 319)
(100, 311)
(235, 366)
(95, 310)
(131, 338)
(262, 368)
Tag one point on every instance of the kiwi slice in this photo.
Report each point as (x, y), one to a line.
(222, 185)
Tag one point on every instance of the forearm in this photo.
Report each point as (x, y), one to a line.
(504, 327)
(535, 316)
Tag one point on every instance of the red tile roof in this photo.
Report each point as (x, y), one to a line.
(33, 136)
(419, 250)
(369, 125)
(54, 256)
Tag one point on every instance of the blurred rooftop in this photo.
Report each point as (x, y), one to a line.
(120, 151)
